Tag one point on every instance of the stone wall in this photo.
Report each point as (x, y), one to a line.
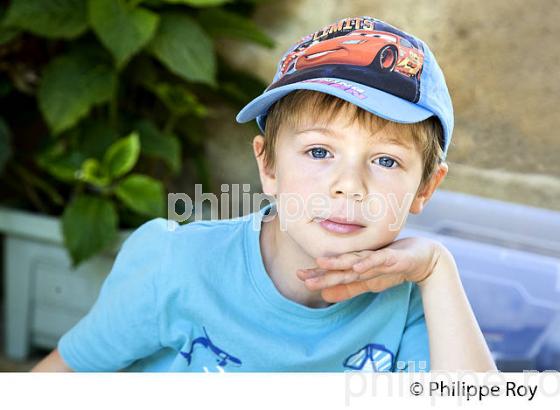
(502, 64)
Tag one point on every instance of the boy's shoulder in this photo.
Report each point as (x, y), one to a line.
(195, 238)
(164, 225)
(177, 252)
(205, 227)
(159, 234)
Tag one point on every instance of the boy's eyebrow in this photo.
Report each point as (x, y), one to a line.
(326, 131)
(330, 133)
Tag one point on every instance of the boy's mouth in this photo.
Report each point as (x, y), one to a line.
(339, 225)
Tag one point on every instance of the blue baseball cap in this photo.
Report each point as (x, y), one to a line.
(369, 63)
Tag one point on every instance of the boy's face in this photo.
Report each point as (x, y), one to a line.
(340, 170)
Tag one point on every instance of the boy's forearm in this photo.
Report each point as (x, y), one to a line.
(456, 341)
(52, 363)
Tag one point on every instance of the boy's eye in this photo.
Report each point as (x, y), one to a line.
(387, 162)
(321, 153)
(318, 153)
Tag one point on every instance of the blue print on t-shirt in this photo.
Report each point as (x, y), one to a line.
(222, 357)
(372, 357)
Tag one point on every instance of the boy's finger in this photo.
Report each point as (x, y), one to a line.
(380, 258)
(340, 277)
(345, 291)
(348, 290)
(310, 273)
(377, 270)
(331, 279)
(340, 262)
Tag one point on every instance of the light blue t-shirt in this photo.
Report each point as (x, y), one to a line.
(197, 297)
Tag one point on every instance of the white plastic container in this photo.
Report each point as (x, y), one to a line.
(508, 257)
(506, 224)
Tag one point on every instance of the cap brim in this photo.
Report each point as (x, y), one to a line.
(378, 102)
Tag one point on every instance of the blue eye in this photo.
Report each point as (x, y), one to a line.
(318, 153)
(387, 162)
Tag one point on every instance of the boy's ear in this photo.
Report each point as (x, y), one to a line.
(424, 194)
(268, 179)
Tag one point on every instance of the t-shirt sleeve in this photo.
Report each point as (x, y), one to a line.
(414, 351)
(122, 325)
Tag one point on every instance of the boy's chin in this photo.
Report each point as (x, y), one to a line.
(327, 247)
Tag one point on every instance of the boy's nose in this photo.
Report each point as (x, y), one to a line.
(349, 184)
(356, 195)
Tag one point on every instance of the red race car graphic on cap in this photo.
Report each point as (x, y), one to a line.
(375, 54)
(380, 50)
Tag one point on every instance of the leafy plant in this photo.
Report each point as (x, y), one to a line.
(102, 103)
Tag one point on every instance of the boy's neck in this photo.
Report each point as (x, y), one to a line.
(282, 257)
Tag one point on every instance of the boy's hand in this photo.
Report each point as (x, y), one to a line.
(345, 276)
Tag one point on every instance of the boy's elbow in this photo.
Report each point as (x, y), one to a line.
(52, 363)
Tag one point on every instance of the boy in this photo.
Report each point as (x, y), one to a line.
(358, 116)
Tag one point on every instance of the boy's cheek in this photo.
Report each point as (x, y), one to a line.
(299, 204)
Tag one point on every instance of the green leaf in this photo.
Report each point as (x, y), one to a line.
(142, 194)
(156, 144)
(122, 29)
(179, 100)
(48, 18)
(64, 157)
(185, 49)
(122, 155)
(93, 173)
(221, 23)
(7, 34)
(199, 3)
(5, 145)
(59, 163)
(89, 224)
(70, 86)
(93, 137)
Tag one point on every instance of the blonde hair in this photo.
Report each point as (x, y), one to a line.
(427, 135)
